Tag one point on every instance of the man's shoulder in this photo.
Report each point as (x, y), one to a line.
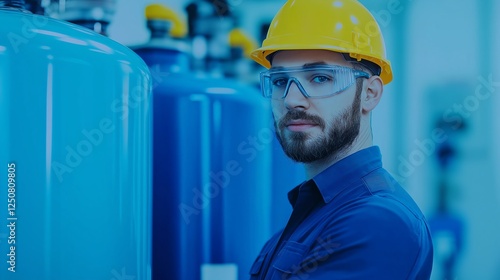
(383, 204)
(382, 220)
(386, 193)
(382, 212)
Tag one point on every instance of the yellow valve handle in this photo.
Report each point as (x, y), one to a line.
(238, 38)
(161, 12)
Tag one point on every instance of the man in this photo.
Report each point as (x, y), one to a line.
(350, 219)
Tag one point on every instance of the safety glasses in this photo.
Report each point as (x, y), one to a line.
(313, 81)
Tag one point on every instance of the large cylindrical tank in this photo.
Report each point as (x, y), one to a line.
(211, 176)
(211, 171)
(75, 169)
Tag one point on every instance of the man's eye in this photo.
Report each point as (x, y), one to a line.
(280, 82)
(321, 79)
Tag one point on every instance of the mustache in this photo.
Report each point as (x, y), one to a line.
(300, 115)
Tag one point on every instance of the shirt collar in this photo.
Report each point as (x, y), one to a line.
(331, 181)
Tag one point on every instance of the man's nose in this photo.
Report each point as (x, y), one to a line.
(294, 97)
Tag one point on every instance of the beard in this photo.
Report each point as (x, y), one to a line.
(343, 130)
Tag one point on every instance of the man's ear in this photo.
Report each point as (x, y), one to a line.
(373, 93)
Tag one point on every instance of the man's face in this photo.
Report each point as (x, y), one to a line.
(312, 129)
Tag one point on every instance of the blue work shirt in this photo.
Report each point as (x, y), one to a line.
(351, 221)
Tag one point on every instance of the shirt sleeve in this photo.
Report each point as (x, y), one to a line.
(372, 241)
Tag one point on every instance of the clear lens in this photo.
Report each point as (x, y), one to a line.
(317, 81)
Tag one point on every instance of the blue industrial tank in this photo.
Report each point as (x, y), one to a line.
(211, 169)
(75, 152)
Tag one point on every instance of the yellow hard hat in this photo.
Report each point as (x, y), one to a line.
(343, 26)
(161, 12)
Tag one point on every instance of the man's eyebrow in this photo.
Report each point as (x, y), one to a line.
(307, 65)
(312, 64)
(276, 68)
